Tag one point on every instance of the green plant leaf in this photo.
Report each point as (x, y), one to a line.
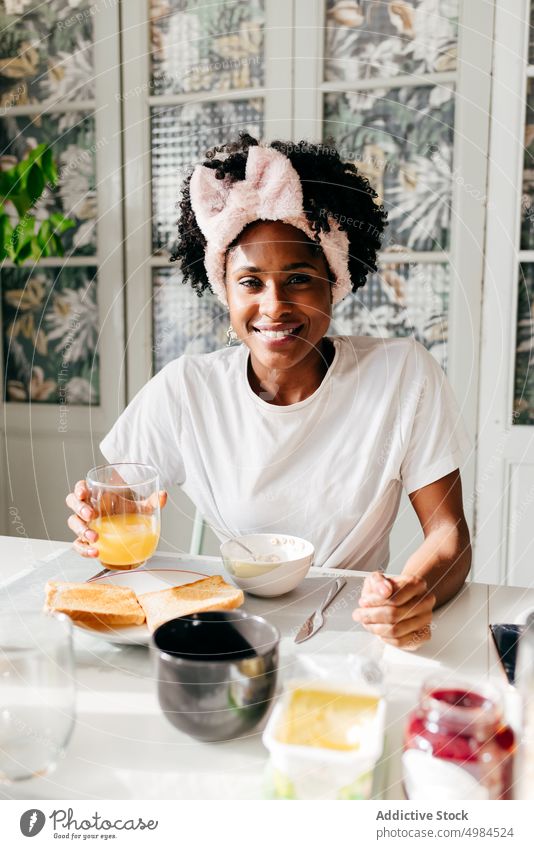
(7, 183)
(36, 251)
(15, 238)
(58, 247)
(6, 232)
(24, 231)
(22, 167)
(23, 252)
(60, 223)
(49, 166)
(6, 237)
(43, 236)
(35, 183)
(21, 202)
(7, 241)
(23, 185)
(35, 154)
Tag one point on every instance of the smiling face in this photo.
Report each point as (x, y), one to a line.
(279, 295)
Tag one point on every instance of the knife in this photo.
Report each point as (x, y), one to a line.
(315, 621)
(99, 575)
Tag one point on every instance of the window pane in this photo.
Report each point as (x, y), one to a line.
(401, 139)
(183, 322)
(405, 299)
(180, 136)
(378, 39)
(527, 200)
(214, 46)
(72, 139)
(46, 51)
(524, 353)
(50, 328)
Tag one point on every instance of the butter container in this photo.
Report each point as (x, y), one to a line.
(324, 741)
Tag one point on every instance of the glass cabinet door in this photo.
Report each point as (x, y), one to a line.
(62, 315)
(387, 100)
(204, 78)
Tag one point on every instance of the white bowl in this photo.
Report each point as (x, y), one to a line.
(268, 579)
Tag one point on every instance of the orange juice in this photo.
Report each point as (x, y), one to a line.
(127, 539)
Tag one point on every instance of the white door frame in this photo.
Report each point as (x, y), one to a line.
(503, 448)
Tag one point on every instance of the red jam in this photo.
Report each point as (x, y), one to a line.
(458, 728)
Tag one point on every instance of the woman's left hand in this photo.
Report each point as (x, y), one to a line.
(398, 609)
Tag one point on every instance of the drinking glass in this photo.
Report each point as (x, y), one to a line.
(525, 681)
(125, 498)
(37, 693)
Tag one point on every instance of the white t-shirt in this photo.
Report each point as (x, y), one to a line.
(329, 468)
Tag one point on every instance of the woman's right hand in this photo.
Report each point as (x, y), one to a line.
(78, 501)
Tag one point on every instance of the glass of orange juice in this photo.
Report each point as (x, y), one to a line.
(125, 498)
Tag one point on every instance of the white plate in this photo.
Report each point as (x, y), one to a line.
(142, 580)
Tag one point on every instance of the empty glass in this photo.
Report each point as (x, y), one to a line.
(37, 693)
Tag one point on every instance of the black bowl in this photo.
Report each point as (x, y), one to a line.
(216, 672)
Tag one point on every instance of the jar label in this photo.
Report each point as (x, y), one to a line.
(427, 777)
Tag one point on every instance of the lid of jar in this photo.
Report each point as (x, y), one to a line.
(460, 704)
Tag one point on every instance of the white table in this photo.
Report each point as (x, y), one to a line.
(123, 747)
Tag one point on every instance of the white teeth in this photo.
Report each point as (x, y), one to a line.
(276, 334)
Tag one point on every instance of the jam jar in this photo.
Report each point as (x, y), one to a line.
(457, 744)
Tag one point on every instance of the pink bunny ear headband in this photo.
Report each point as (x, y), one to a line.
(271, 191)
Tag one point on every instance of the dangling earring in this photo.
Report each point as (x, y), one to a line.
(231, 336)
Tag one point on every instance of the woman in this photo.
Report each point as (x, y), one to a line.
(293, 431)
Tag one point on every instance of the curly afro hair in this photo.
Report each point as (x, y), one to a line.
(329, 186)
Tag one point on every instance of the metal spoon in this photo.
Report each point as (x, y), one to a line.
(245, 548)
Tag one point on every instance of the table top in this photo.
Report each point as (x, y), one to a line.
(124, 748)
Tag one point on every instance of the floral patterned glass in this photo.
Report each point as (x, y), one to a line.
(406, 299)
(50, 330)
(401, 139)
(46, 51)
(524, 352)
(373, 38)
(180, 136)
(72, 138)
(527, 200)
(183, 322)
(401, 300)
(215, 46)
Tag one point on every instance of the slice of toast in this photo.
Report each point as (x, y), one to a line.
(207, 594)
(95, 605)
